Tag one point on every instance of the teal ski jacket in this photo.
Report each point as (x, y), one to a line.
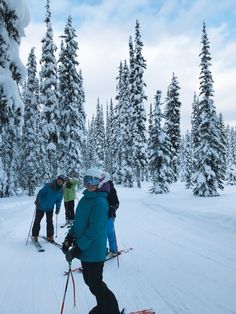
(89, 226)
(49, 196)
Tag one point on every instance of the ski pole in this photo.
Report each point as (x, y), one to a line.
(117, 252)
(73, 282)
(56, 224)
(67, 281)
(30, 227)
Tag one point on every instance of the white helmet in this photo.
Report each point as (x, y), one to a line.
(98, 173)
(93, 172)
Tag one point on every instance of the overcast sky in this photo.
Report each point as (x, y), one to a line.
(171, 32)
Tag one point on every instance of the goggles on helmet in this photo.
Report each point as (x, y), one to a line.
(91, 180)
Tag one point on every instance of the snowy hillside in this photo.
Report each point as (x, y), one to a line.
(183, 262)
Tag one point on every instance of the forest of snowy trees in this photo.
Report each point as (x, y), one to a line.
(44, 130)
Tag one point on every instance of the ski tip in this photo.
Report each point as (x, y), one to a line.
(146, 311)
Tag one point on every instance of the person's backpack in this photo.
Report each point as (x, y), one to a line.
(113, 200)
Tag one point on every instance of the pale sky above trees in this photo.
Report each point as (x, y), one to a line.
(171, 33)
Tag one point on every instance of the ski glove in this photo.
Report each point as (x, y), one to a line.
(112, 210)
(69, 240)
(57, 211)
(72, 253)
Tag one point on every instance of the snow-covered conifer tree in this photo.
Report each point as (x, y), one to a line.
(99, 137)
(123, 129)
(233, 137)
(30, 157)
(137, 98)
(231, 155)
(222, 149)
(90, 145)
(116, 137)
(195, 122)
(172, 124)
(3, 177)
(207, 177)
(182, 160)
(109, 154)
(228, 151)
(159, 152)
(71, 118)
(49, 100)
(150, 126)
(14, 17)
(188, 162)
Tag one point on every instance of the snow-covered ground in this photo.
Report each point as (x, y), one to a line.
(184, 257)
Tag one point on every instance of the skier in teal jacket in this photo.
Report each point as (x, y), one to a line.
(89, 225)
(49, 196)
(88, 237)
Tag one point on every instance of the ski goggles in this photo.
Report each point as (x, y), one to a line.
(91, 180)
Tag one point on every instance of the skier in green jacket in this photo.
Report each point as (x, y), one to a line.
(69, 198)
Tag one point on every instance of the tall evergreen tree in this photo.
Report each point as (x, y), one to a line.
(99, 137)
(12, 73)
(30, 161)
(150, 127)
(90, 145)
(222, 149)
(109, 153)
(123, 130)
(159, 152)
(182, 159)
(49, 99)
(188, 162)
(172, 124)
(207, 177)
(195, 122)
(228, 151)
(231, 155)
(137, 98)
(3, 176)
(233, 139)
(71, 120)
(116, 139)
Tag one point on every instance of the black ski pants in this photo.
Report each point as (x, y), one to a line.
(38, 217)
(106, 300)
(69, 210)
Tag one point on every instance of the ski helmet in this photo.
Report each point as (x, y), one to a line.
(95, 176)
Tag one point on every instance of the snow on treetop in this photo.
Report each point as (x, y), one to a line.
(22, 12)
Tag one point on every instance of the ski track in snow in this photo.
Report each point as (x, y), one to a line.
(183, 262)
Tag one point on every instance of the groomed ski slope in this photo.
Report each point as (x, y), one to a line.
(183, 262)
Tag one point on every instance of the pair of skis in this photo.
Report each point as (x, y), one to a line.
(52, 242)
(40, 248)
(80, 269)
